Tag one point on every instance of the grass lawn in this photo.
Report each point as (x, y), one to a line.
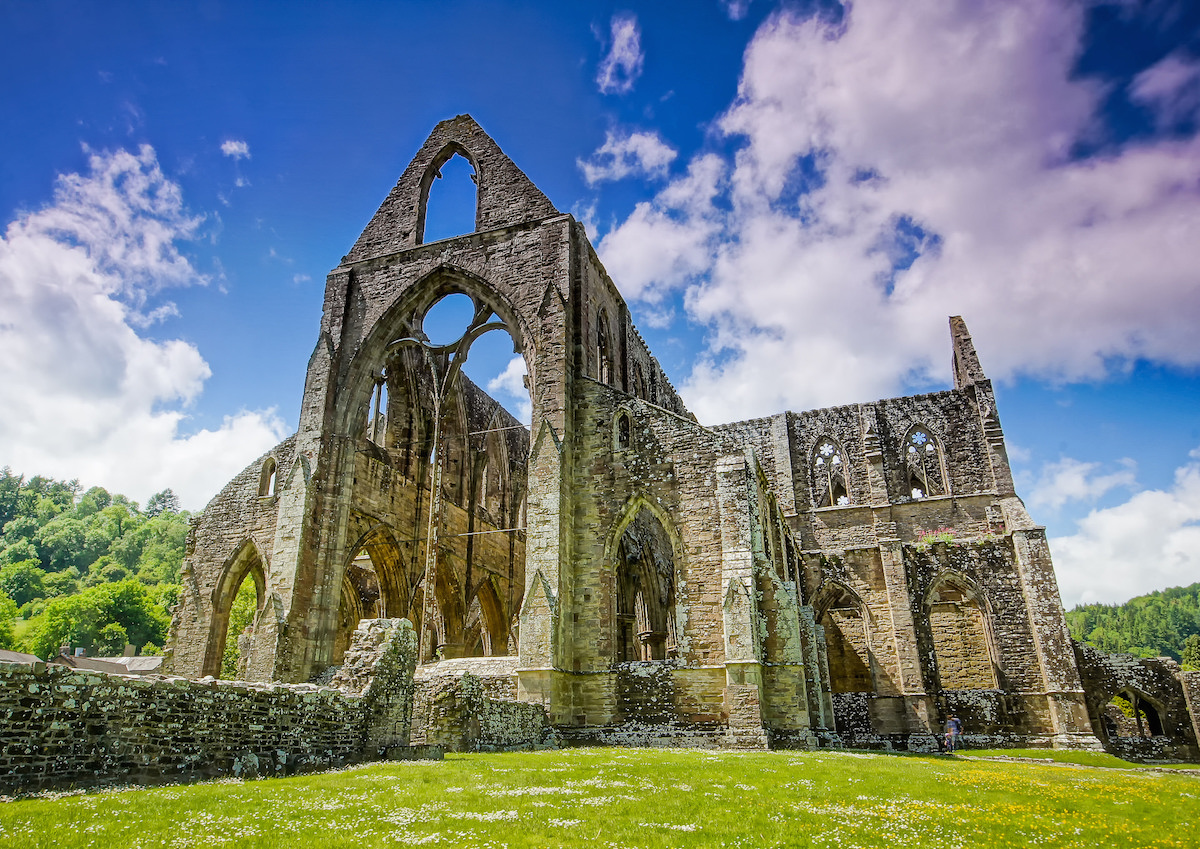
(639, 797)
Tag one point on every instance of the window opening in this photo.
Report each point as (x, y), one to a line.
(645, 591)
(924, 463)
(451, 205)
(240, 630)
(829, 474)
(622, 431)
(267, 480)
(603, 352)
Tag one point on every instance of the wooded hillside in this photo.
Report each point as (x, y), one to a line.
(1161, 624)
(86, 569)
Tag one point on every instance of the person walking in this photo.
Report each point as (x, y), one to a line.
(953, 730)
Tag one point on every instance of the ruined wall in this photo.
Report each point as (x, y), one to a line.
(235, 533)
(1157, 682)
(64, 726)
(464, 713)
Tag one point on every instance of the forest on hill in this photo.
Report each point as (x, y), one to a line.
(90, 569)
(1165, 623)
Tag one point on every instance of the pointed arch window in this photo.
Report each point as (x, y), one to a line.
(923, 463)
(830, 485)
(603, 349)
(268, 478)
(622, 431)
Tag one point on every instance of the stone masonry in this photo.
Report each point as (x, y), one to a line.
(62, 727)
(849, 574)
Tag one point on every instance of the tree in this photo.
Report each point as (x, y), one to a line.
(1191, 653)
(78, 620)
(112, 640)
(8, 612)
(22, 581)
(162, 502)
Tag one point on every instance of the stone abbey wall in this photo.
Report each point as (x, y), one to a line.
(619, 570)
(65, 727)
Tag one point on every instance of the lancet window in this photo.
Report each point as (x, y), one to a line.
(923, 461)
(830, 485)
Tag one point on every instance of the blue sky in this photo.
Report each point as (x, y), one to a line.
(793, 198)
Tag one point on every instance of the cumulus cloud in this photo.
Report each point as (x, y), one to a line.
(634, 154)
(622, 65)
(235, 148)
(907, 163)
(86, 394)
(1171, 88)
(1068, 480)
(1149, 542)
(510, 384)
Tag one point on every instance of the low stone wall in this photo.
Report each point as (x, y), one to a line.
(62, 727)
(458, 712)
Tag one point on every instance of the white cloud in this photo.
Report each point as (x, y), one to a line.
(936, 132)
(85, 394)
(622, 65)
(1069, 480)
(235, 148)
(736, 9)
(1150, 542)
(630, 155)
(511, 383)
(1171, 88)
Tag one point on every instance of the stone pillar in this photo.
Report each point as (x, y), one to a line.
(1065, 702)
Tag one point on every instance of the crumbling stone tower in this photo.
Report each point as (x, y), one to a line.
(640, 575)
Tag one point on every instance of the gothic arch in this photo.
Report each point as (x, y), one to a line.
(848, 625)
(829, 473)
(960, 631)
(402, 319)
(397, 590)
(431, 172)
(643, 612)
(924, 463)
(246, 562)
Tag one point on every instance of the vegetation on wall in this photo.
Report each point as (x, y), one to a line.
(1161, 624)
(87, 569)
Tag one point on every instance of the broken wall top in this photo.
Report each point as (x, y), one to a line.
(505, 195)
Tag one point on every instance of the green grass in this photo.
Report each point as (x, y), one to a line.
(651, 798)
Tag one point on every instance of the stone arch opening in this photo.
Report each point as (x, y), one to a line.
(228, 651)
(645, 554)
(924, 463)
(1130, 713)
(449, 480)
(267, 479)
(847, 623)
(449, 199)
(622, 429)
(830, 478)
(960, 632)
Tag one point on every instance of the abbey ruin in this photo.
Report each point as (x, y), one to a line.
(845, 576)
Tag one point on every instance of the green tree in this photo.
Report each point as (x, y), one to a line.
(10, 491)
(61, 543)
(241, 615)
(79, 619)
(162, 502)
(8, 612)
(112, 640)
(1190, 656)
(22, 581)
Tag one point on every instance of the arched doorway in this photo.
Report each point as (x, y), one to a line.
(645, 572)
